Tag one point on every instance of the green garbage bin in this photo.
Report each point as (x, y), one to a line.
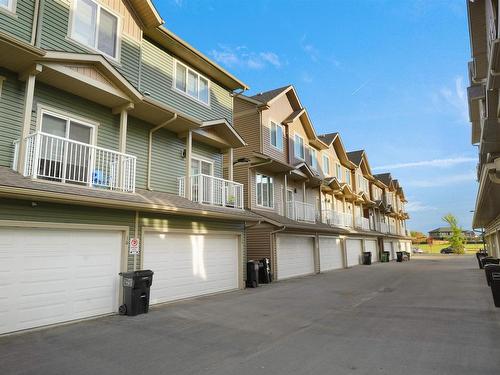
(385, 257)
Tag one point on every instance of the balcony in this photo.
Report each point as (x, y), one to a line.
(384, 228)
(52, 158)
(301, 211)
(211, 190)
(337, 218)
(362, 223)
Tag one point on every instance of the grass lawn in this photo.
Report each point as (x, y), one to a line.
(436, 248)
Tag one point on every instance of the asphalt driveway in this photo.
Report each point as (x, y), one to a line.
(432, 315)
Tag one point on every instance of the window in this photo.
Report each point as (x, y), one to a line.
(8, 4)
(347, 176)
(95, 27)
(2, 78)
(314, 158)
(191, 83)
(199, 166)
(265, 191)
(339, 173)
(299, 147)
(326, 165)
(277, 135)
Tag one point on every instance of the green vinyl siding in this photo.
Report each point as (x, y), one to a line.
(207, 152)
(108, 131)
(11, 115)
(55, 36)
(20, 23)
(26, 211)
(156, 79)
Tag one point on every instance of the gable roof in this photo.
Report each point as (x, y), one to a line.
(328, 138)
(267, 96)
(385, 178)
(356, 156)
(441, 229)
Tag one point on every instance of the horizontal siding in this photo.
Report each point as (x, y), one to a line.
(11, 115)
(210, 153)
(137, 145)
(54, 36)
(20, 24)
(240, 174)
(109, 124)
(247, 123)
(259, 242)
(157, 76)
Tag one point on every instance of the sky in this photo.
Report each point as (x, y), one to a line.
(389, 75)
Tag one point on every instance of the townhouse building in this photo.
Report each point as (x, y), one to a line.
(115, 132)
(316, 216)
(483, 100)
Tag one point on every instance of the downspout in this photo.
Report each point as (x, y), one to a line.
(273, 248)
(150, 147)
(37, 24)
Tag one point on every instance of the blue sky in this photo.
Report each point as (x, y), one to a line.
(390, 76)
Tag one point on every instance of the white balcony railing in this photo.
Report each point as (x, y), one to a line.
(384, 228)
(58, 159)
(212, 190)
(301, 211)
(362, 223)
(336, 218)
(392, 229)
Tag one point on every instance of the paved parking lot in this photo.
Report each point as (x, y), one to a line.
(432, 315)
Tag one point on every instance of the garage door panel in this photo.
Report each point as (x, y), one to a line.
(62, 277)
(190, 265)
(330, 252)
(371, 246)
(295, 256)
(354, 248)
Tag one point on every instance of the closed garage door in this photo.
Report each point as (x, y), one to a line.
(388, 247)
(53, 276)
(353, 252)
(190, 265)
(330, 254)
(295, 256)
(371, 246)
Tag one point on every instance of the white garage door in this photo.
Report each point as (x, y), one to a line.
(190, 265)
(53, 276)
(371, 246)
(388, 247)
(330, 254)
(353, 252)
(295, 256)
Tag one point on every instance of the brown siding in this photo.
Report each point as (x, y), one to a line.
(246, 122)
(259, 241)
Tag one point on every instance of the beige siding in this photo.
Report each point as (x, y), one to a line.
(130, 23)
(247, 124)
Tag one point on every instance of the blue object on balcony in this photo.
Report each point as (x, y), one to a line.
(98, 178)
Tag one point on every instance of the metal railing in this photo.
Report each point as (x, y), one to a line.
(362, 223)
(384, 228)
(336, 218)
(59, 159)
(211, 190)
(301, 211)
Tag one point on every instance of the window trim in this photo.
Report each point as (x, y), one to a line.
(338, 168)
(277, 124)
(10, 8)
(206, 160)
(71, 24)
(68, 116)
(174, 86)
(312, 151)
(295, 135)
(271, 207)
(326, 171)
(2, 80)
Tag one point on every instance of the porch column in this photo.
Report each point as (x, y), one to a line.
(320, 208)
(29, 92)
(189, 148)
(230, 164)
(285, 195)
(123, 111)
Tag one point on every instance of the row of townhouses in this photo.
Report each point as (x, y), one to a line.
(484, 112)
(122, 147)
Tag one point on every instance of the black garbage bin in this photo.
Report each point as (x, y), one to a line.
(489, 260)
(495, 288)
(136, 289)
(480, 255)
(367, 258)
(252, 274)
(399, 256)
(265, 276)
(489, 269)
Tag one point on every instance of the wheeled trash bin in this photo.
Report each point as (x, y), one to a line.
(252, 274)
(399, 256)
(265, 276)
(136, 289)
(367, 258)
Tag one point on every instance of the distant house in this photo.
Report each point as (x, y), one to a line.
(443, 233)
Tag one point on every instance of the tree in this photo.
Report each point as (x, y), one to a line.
(418, 237)
(457, 238)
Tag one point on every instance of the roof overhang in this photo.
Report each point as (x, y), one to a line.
(488, 196)
(264, 162)
(147, 13)
(16, 55)
(196, 59)
(219, 134)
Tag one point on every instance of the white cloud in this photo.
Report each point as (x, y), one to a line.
(240, 56)
(454, 98)
(306, 77)
(442, 180)
(440, 163)
(309, 49)
(416, 206)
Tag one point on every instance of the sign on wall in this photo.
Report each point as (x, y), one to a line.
(134, 246)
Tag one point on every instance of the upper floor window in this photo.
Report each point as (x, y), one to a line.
(314, 158)
(299, 147)
(95, 27)
(277, 135)
(265, 190)
(339, 173)
(9, 5)
(191, 83)
(347, 176)
(199, 166)
(326, 165)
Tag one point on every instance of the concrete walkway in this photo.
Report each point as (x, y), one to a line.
(432, 315)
